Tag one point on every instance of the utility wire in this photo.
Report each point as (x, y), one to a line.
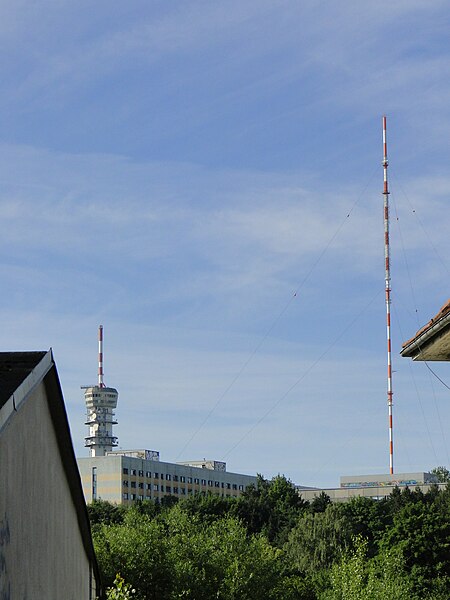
(400, 235)
(427, 236)
(278, 317)
(336, 451)
(443, 263)
(436, 375)
(302, 377)
(418, 325)
(405, 260)
(444, 441)
(413, 210)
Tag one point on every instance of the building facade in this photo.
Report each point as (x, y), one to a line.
(372, 486)
(123, 477)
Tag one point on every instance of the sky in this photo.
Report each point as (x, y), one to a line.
(204, 180)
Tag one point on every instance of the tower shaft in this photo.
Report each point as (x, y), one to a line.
(101, 402)
(388, 297)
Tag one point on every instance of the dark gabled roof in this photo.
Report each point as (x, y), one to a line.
(20, 372)
(14, 369)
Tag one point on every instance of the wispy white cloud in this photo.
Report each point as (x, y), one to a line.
(96, 211)
(236, 35)
(188, 166)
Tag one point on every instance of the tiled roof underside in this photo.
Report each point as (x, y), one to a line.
(444, 310)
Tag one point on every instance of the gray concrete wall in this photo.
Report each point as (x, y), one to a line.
(42, 556)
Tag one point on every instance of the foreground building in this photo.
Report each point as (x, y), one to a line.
(432, 342)
(46, 548)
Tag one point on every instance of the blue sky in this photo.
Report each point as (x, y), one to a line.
(204, 179)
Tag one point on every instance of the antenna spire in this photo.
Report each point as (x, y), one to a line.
(388, 297)
(101, 401)
(100, 357)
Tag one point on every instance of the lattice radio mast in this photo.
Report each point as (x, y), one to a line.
(388, 298)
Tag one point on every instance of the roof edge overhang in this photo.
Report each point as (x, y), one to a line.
(23, 390)
(416, 347)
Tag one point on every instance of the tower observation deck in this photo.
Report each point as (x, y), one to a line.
(101, 402)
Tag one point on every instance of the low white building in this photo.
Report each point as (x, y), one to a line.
(372, 486)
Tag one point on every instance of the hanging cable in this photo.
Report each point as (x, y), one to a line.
(278, 317)
(302, 377)
(427, 236)
(444, 441)
(412, 291)
(436, 375)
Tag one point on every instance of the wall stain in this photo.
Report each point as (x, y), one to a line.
(5, 538)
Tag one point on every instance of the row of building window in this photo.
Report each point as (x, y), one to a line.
(217, 484)
(181, 479)
(140, 485)
(127, 496)
(169, 489)
(148, 474)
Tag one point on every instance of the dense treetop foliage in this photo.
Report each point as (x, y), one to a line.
(271, 544)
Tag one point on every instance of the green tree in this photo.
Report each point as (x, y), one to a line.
(318, 539)
(369, 518)
(442, 473)
(177, 555)
(356, 577)
(208, 507)
(270, 507)
(136, 548)
(320, 502)
(120, 590)
(421, 531)
(219, 560)
(101, 511)
(253, 506)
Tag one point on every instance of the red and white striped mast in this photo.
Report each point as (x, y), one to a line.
(100, 357)
(388, 298)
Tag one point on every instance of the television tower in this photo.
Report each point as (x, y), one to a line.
(101, 402)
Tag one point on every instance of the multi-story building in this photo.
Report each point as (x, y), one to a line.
(125, 476)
